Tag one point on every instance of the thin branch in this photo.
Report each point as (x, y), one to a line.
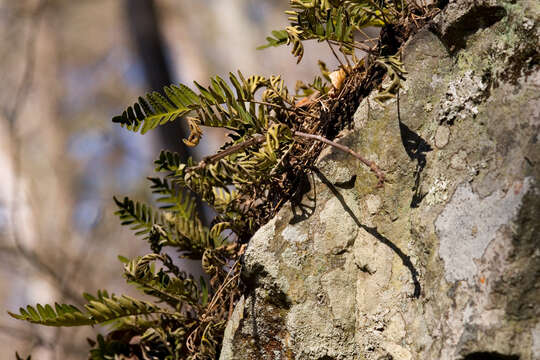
(257, 139)
(370, 164)
(292, 109)
(337, 57)
(20, 99)
(368, 38)
(356, 44)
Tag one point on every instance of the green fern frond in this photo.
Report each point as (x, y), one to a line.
(60, 315)
(175, 290)
(395, 72)
(217, 105)
(170, 162)
(180, 227)
(138, 216)
(191, 237)
(335, 21)
(223, 198)
(172, 200)
(98, 310)
(155, 109)
(277, 92)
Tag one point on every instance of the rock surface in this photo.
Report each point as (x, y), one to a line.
(443, 262)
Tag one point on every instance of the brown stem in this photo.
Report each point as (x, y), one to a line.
(356, 45)
(381, 10)
(220, 155)
(257, 139)
(295, 109)
(370, 164)
(335, 55)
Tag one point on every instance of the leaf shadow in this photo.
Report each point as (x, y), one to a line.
(416, 148)
(303, 204)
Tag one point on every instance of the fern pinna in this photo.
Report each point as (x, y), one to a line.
(274, 137)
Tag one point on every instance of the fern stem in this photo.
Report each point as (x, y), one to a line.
(222, 287)
(356, 45)
(370, 164)
(335, 55)
(162, 293)
(368, 38)
(295, 109)
(256, 139)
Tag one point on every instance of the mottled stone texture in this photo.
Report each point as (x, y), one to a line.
(444, 261)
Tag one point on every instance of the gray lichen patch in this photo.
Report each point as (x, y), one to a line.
(468, 224)
(462, 98)
(441, 136)
(315, 335)
(232, 327)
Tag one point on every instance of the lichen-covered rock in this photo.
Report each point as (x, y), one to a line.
(443, 262)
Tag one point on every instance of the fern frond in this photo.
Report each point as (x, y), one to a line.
(191, 237)
(277, 92)
(175, 290)
(180, 227)
(217, 105)
(172, 200)
(395, 72)
(223, 198)
(335, 21)
(61, 315)
(138, 216)
(170, 162)
(98, 310)
(156, 109)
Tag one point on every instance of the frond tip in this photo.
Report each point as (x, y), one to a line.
(156, 109)
(98, 310)
(65, 315)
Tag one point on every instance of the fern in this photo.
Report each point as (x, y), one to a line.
(335, 22)
(179, 227)
(172, 200)
(100, 309)
(394, 69)
(173, 286)
(217, 106)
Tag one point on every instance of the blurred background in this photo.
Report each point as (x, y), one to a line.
(67, 67)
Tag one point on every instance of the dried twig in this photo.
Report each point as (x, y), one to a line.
(370, 164)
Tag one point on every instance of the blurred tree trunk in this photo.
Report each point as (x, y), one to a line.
(146, 36)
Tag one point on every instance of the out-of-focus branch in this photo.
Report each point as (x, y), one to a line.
(21, 96)
(144, 29)
(143, 24)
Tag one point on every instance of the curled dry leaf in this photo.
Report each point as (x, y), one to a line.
(308, 100)
(337, 77)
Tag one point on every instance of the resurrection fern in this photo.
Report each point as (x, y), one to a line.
(274, 138)
(334, 21)
(98, 310)
(396, 73)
